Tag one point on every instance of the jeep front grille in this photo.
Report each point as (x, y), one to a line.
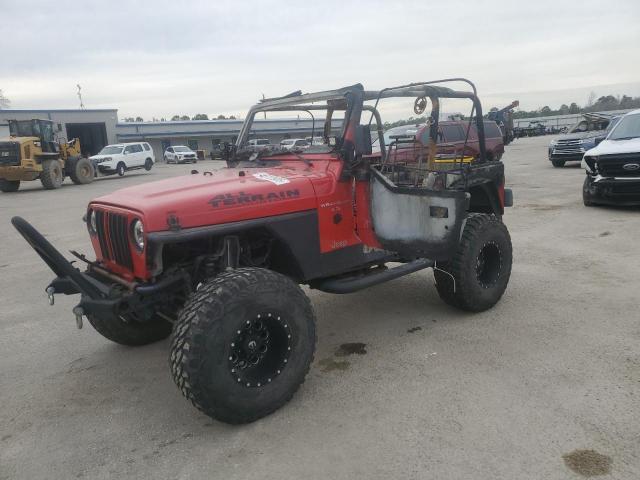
(112, 231)
(9, 154)
(614, 165)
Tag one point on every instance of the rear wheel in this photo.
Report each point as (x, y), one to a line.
(51, 176)
(9, 186)
(120, 169)
(127, 331)
(81, 171)
(478, 274)
(148, 164)
(243, 344)
(557, 163)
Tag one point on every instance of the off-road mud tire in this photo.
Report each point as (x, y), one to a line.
(148, 164)
(558, 163)
(9, 186)
(52, 175)
(201, 343)
(484, 234)
(131, 333)
(80, 170)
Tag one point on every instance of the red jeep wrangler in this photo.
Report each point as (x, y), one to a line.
(215, 259)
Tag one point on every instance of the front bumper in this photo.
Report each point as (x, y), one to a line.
(613, 190)
(570, 156)
(106, 167)
(103, 294)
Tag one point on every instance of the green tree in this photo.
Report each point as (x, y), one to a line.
(574, 108)
(221, 117)
(564, 109)
(185, 117)
(200, 116)
(139, 119)
(546, 110)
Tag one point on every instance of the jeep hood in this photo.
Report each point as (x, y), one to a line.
(614, 147)
(222, 196)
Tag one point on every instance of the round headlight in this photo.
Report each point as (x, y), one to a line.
(137, 231)
(93, 224)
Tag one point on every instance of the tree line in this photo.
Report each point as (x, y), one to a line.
(601, 104)
(184, 118)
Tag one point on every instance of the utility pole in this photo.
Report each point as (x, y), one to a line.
(264, 113)
(80, 96)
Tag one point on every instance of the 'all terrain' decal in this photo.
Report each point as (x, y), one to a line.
(242, 198)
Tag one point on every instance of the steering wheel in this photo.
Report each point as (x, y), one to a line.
(420, 105)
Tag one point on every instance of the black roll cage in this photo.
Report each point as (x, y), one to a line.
(352, 98)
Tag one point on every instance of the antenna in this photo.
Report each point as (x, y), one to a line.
(80, 96)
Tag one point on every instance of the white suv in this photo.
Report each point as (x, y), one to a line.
(121, 157)
(179, 154)
(294, 144)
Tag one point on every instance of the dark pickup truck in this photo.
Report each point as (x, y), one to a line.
(405, 142)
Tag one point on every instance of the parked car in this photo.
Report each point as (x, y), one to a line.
(294, 144)
(180, 154)
(121, 157)
(585, 134)
(259, 142)
(315, 140)
(405, 142)
(613, 166)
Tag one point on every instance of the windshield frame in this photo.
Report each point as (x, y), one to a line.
(182, 149)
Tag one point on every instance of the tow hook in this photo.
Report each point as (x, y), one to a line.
(78, 312)
(50, 291)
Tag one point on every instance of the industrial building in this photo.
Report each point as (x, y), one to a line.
(99, 127)
(207, 135)
(94, 127)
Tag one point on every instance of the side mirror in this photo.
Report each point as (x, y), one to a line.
(363, 140)
(598, 140)
(125, 153)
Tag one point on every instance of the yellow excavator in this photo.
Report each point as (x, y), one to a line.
(31, 152)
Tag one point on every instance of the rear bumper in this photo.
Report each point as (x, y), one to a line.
(103, 294)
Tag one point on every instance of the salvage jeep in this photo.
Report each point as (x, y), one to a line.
(216, 259)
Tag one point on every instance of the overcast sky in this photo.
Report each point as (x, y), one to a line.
(157, 59)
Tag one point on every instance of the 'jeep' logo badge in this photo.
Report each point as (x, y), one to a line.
(631, 166)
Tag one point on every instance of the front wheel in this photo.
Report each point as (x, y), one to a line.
(243, 344)
(129, 331)
(120, 169)
(586, 197)
(557, 163)
(52, 175)
(9, 186)
(478, 274)
(148, 164)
